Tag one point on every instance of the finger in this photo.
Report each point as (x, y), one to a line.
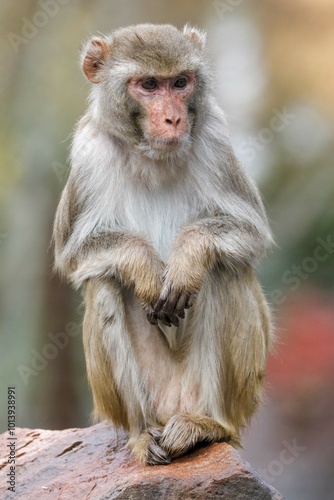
(152, 318)
(180, 306)
(174, 320)
(160, 304)
(171, 302)
(164, 319)
(190, 301)
(162, 299)
(168, 320)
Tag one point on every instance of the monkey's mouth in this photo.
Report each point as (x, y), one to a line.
(166, 144)
(162, 149)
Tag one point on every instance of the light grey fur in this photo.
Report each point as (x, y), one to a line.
(213, 363)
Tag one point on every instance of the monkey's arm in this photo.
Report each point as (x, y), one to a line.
(231, 242)
(120, 255)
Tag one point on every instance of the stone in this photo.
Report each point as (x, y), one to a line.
(94, 463)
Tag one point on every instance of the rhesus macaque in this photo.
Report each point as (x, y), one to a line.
(162, 227)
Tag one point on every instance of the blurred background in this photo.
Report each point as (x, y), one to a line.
(274, 69)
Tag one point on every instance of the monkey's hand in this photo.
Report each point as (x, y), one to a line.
(178, 293)
(148, 282)
(190, 259)
(172, 303)
(154, 315)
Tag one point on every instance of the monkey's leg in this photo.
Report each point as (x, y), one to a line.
(227, 339)
(127, 365)
(249, 337)
(110, 360)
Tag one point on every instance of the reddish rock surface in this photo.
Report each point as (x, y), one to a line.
(92, 463)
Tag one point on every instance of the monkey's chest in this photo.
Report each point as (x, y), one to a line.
(159, 219)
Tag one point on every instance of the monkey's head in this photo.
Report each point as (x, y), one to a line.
(150, 86)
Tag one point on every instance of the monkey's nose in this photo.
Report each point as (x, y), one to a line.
(173, 121)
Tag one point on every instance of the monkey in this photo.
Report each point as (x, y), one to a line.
(162, 228)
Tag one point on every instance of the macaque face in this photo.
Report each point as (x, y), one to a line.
(164, 118)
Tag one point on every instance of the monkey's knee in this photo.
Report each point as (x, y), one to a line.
(147, 450)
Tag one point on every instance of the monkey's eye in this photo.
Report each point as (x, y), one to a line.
(149, 84)
(181, 82)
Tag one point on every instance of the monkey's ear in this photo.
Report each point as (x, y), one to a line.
(94, 55)
(197, 37)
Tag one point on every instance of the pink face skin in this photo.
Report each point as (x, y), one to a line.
(164, 101)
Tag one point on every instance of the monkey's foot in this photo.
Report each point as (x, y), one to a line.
(147, 450)
(183, 431)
